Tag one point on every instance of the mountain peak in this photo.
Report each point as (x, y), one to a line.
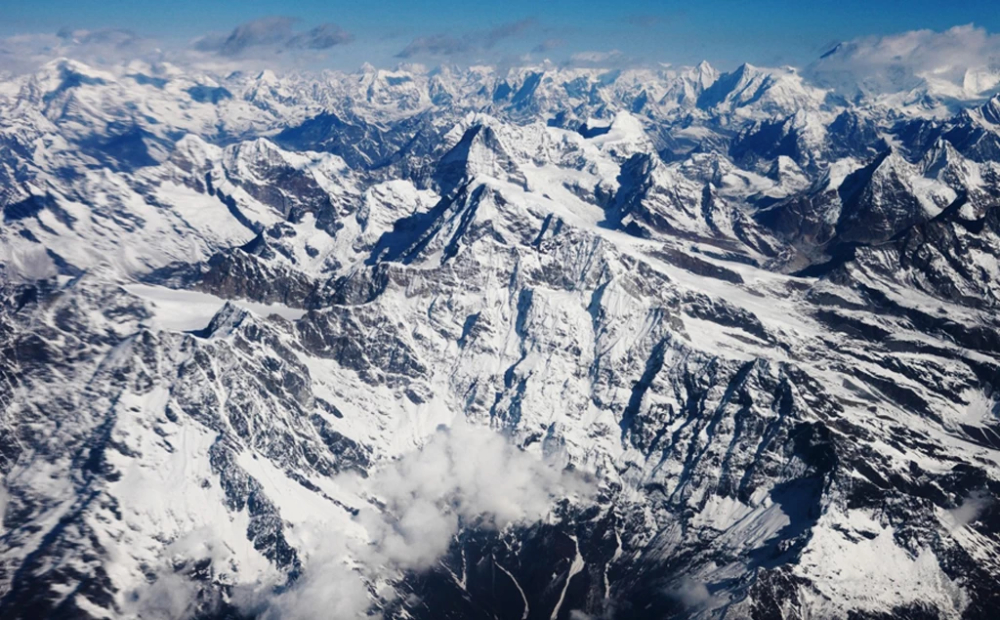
(267, 76)
(991, 110)
(832, 51)
(479, 153)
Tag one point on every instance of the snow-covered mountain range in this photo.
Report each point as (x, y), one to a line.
(478, 343)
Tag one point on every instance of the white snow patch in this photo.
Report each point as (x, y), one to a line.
(872, 572)
(181, 310)
(574, 569)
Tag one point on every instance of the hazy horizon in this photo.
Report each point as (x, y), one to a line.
(308, 35)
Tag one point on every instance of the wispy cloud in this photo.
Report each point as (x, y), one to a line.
(435, 45)
(277, 40)
(547, 45)
(645, 20)
(971, 508)
(115, 37)
(267, 31)
(505, 31)
(655, 20)
(479, 41)
(321, 37)
(26, 52)
(272, 34)
(595, 57)
(170, 596)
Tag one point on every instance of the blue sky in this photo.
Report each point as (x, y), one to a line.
(724, 32)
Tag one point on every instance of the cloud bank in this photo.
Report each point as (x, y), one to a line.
(965, 58)
(265, 39)
(26, 52)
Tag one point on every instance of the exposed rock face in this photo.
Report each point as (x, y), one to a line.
(765, 342)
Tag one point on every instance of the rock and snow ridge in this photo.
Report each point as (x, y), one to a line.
(539, 343)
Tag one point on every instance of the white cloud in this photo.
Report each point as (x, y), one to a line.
(26, 52)
(173, 593)
(328, 589)
(170, 597)
(595, 57)
(961, 61)
(270, 35)
(447, 45)
(693, 595)
(267, 42)
(466, 475)
(970, 510)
